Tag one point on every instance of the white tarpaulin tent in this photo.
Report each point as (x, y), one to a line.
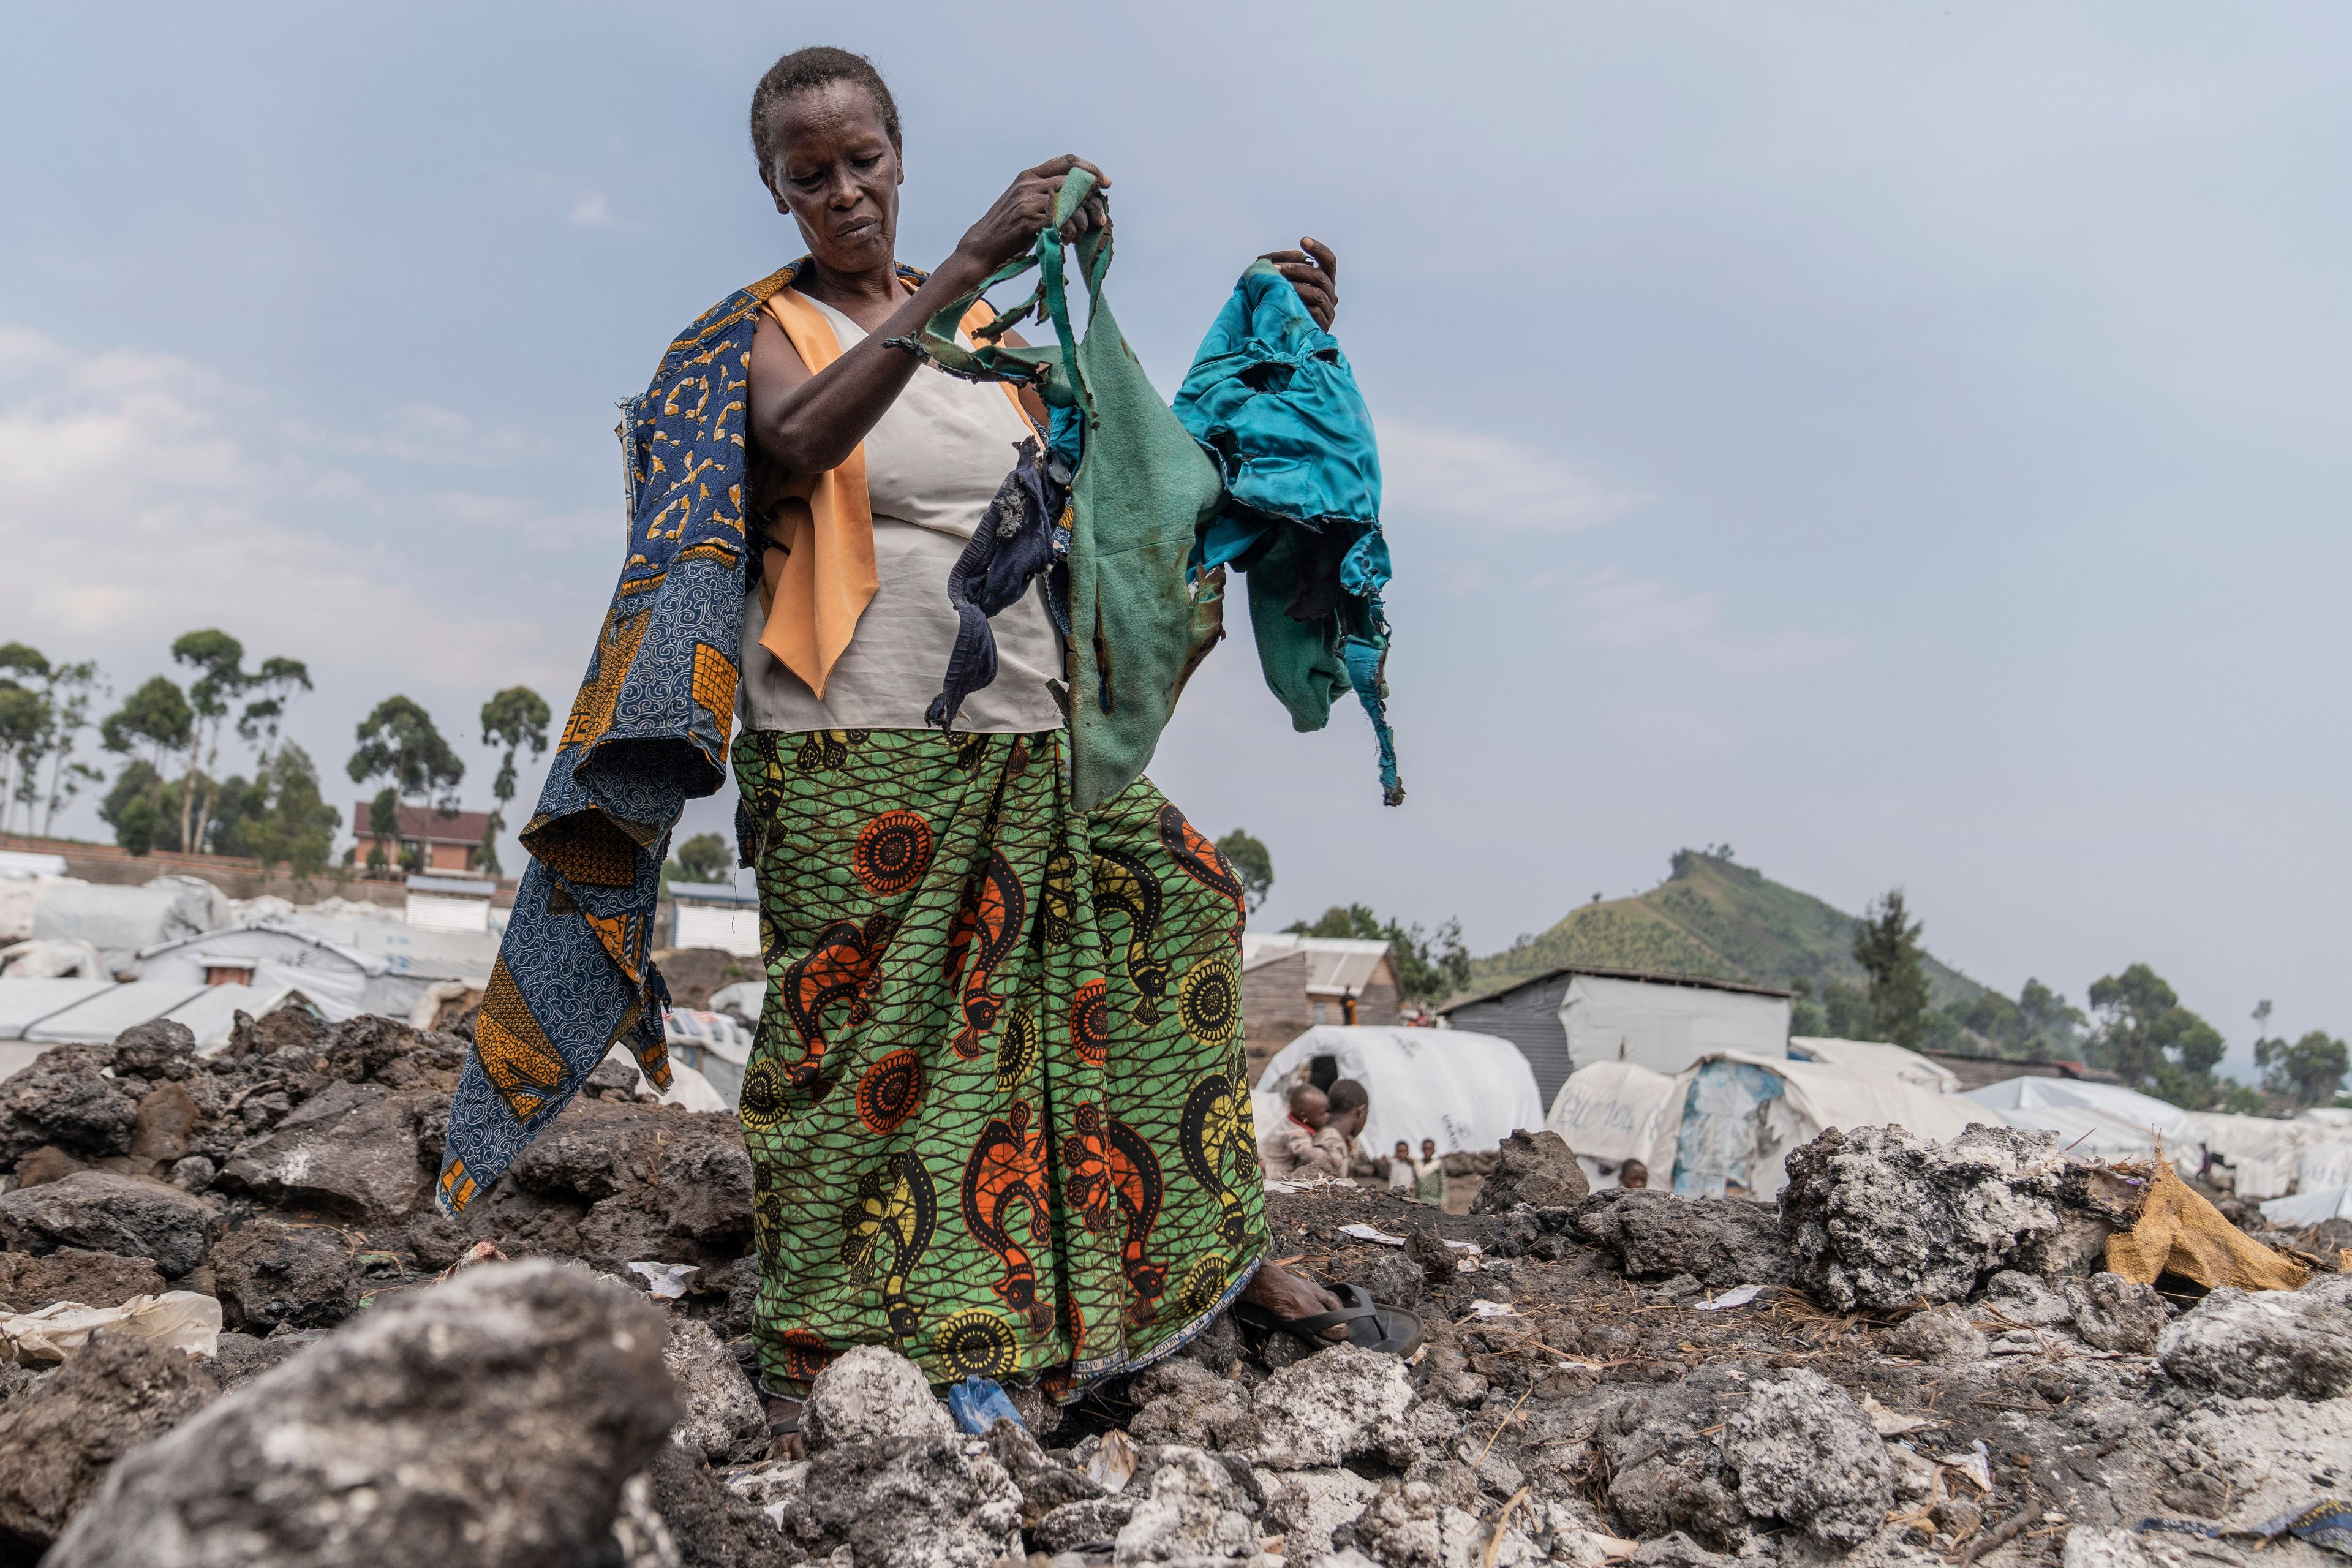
(337, 979)
(1469, 1091)
(119, 921)
(1878, 1059)
(2096, 1120)
(2310, 1208)
(2262, 1158)
(1666, 1027)
(1611, 1112)
(1732, 1118)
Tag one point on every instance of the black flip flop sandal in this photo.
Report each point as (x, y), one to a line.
(1371, 1326)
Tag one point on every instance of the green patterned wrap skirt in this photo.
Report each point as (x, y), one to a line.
(998, 1110)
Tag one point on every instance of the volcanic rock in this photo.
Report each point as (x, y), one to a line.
(492, 1420)
(58, 1438)
(105, 1212)
(1722, 1242)
(724, 1420)
(350, 1150)
(70, 1274)
(267, 1273)
(1334, 1406)
(2113, 1313)
(1807, 1455)
(1535, 1168)
(2266, 1345)
(1879, 1219)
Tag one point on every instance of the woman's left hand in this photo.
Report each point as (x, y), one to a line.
(1314, 271)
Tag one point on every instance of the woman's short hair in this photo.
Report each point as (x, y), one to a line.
(803, 69)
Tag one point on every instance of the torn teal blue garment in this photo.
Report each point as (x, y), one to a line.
(1271, 400)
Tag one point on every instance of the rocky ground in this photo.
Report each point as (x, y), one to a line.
(1930, 1369)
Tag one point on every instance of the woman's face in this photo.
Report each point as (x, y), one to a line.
(836, 174)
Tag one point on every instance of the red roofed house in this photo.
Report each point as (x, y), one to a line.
(442, 840)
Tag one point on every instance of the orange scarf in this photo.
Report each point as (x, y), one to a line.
(817, 574)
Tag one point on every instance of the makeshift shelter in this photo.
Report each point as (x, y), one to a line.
(1469, 1091)
(1611, 1112)
(2310, 1208)
(717, 915)
(1878, 1059)
(2096, 1120)
(121, 922)
(1572, 1018)
(2256, 1156)
(1731, 1119)
(713, 1044)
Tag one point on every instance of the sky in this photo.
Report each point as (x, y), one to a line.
(1907, 444)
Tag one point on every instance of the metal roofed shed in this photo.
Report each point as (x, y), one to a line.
(450, 903)
(1571, 1017)
(1291, 983)
(1468, 1092)
(717, 915)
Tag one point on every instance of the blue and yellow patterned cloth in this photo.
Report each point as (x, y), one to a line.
(648, 731)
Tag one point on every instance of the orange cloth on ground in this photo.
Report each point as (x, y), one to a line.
(817, 576)
(2179, 1230)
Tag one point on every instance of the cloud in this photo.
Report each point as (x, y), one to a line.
(143, 495)
(1427, 469)
(592, 211)
(1617, 611)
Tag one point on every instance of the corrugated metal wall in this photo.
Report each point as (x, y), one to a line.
(1528, 1018)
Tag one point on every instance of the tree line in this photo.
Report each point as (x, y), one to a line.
(168, 789)
(2136, 1027)
(1430, 965)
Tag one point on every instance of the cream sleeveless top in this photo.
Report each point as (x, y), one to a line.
(933, 463)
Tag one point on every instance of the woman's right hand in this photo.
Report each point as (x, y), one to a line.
(1011, 226)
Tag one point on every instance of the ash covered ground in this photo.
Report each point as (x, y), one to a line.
(1933, 1368)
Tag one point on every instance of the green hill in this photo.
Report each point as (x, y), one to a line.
(1714, 918)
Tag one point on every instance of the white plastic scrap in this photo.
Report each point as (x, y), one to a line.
(1976, 1465)
(1112, 1463)
(1738, 1296)
(665, 1282)
(1890, 1424)
(1482, 1307)
(1367, 1232)
(177, 1320)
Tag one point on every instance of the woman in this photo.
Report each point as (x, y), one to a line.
(996, 1112)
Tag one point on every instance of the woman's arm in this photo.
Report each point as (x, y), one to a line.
(809, 422)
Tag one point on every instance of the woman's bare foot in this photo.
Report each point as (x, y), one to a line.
(786, 1445)
(1288, 1295)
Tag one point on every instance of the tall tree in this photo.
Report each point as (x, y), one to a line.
(515, 718)
(2149, 1037)
(153, 726)
(288, 823)
(22, 717)
(1887, 947)
(275, 684)
(2309, 1072)
(67, 692)
(383, 827)
(399, 745)
(218, 661)
(1251, 862)
(701, 858)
